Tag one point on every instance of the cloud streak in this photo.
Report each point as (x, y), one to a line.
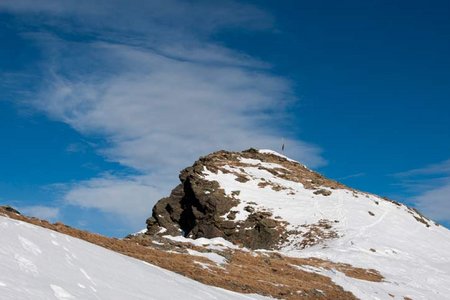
(161, 98)
(431, 184)
(128, 198)
(40, 211)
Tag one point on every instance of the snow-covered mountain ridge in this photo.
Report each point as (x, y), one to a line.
(261, 199)
(215, 262)
(252, 222)
(37, 263)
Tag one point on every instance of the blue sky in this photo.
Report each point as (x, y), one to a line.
(103, 102)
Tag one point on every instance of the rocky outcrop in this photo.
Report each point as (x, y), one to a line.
(200, 208)
(9, 209)
(196, 208)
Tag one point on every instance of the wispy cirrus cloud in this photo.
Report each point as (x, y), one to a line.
(435, 202)
(159, 90)
(355, 175)
(442, 168)
(431, 187)
(128, 198)
(41, 211)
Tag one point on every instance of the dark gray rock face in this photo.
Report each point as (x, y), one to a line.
(196, 208)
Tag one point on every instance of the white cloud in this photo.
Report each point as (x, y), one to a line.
(431, 184)
(161, 98)
(435, 203)
(42, 212)
(77, 148)
(158, 19)
(130, 198)
(442, 168)
(355, 175)
(160, 114)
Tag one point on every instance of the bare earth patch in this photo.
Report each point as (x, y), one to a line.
(266, 273)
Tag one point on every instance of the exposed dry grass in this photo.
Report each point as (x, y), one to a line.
(289, 170)
(266, 273)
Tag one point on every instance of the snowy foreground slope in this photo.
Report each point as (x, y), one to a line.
(315, 217)
(37, 263)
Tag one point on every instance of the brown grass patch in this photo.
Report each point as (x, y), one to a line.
(267, 273)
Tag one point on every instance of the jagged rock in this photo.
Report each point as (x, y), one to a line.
(249, 208)
(10, 209)
(323, 192)
(199, 208)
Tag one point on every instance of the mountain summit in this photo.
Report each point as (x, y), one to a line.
(261, 199)
(254, 222)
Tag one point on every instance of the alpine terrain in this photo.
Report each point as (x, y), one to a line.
(37, 263)
(240, 225)
(264, 200)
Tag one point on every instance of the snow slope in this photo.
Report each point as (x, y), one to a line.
(411, 252)
(37, 263)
